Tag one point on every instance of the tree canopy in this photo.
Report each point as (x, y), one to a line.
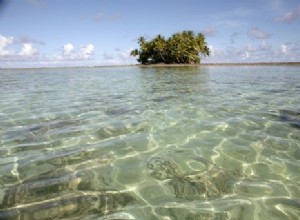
(181, 48)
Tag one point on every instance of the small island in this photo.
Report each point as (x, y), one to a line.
(184, 47)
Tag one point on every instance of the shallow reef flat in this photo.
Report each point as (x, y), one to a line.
(187, 142)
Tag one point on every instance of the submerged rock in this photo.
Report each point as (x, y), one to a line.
(63, 193)
(290, 116)
(210, 183)
(186, 214)
(42, 188)
(71, 205)
(58, 183)
(163, 169)
(118, 129)
(185, 188)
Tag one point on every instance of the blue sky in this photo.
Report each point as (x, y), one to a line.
(35, 33)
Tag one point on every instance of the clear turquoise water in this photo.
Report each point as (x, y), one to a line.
(150, 143)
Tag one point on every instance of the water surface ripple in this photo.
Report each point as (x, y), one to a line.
(150, 143)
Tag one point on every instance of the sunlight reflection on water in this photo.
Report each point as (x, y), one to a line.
(150, 143)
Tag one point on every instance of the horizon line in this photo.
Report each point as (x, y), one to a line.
(279, 63)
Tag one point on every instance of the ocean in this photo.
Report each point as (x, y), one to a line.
(193, 142)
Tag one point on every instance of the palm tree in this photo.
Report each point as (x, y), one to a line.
(181, 47)
(159, 44)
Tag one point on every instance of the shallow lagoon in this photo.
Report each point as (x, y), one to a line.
(206, 142)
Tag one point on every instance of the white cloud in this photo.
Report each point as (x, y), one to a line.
(4, 42)
(250, 48)
(216, 54)
(284, 49)
(118, 57)
(265, 46)
(86, 51)
(70, 53)
(125, 57)
(262, 52)
(28, 50)
(246, 55)
(212, 50)
(257, 33)
(291, 16)
(22, 52)
(9, 51)
(68, 49)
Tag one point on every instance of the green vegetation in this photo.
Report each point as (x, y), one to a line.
(181, 48)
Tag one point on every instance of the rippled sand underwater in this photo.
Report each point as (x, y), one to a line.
(150, 143)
